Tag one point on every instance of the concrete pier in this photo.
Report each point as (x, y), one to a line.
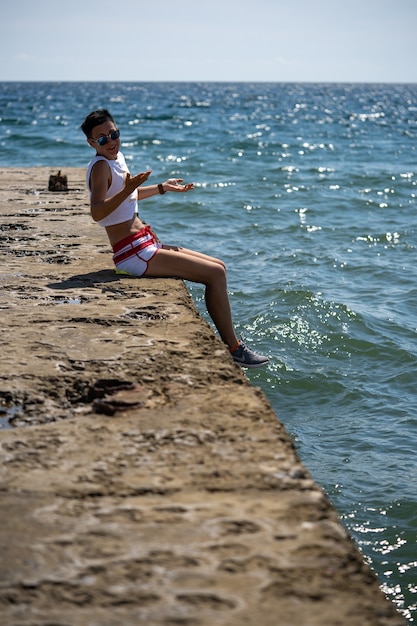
(143, 479)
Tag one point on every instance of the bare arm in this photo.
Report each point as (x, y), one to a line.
(172, 184)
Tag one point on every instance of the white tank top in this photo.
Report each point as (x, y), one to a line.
(127, 209)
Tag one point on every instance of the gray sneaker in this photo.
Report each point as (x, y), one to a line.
(245, 357)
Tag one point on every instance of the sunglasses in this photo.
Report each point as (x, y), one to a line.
(115, 134)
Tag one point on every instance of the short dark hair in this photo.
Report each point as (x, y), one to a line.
(95, 118)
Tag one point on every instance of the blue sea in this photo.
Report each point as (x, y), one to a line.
(308, 192)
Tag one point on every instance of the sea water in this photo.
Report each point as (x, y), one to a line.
(308, 193)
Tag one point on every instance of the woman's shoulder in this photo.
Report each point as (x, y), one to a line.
(99, 166)
(93, 162)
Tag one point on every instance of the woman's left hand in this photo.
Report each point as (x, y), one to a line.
(174, 184)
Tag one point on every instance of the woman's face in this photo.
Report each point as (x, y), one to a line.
(104, 132)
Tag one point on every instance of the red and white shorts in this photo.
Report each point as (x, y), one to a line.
(133, 253)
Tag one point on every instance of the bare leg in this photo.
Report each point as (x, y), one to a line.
(199, 268)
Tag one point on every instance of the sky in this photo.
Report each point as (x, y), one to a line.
(215, 40)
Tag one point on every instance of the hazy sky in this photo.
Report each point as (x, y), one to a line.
(213, 40)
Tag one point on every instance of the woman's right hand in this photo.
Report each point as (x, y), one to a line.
(133, 182)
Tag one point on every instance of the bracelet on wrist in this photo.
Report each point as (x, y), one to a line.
(161, 188)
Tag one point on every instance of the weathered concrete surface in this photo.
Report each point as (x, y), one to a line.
(167, 494)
